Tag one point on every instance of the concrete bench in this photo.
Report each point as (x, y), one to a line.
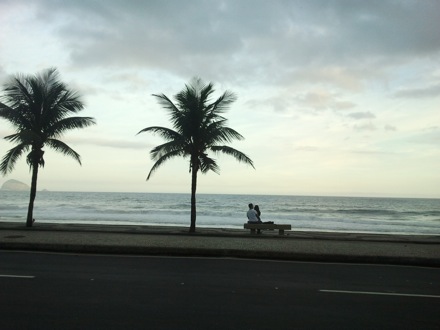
(258, 226)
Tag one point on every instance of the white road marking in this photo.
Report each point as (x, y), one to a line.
(17, 276)
(382, 293)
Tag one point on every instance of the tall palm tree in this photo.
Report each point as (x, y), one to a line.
(38, 107)
(199, 127)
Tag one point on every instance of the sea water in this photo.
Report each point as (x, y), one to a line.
(304, 213)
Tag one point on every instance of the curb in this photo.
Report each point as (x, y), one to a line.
(219, 253)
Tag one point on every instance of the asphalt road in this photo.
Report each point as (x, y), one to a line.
(62, 291)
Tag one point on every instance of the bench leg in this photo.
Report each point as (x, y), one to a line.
(252, 231)
(281, 232)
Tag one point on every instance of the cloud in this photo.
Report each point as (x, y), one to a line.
(277, 104)
(428, 136)
(365, 127)
(307, 148)
(170, 35)
(361, 115)
(118, 144)
(317, 41)
(3, 74)
(390, 128)
(371, 152)
(425, 92)
(323, 100)
(345, 78)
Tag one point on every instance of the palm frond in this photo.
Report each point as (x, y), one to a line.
(69, 123)
(59, 100)
(14, 116)
(238, 155)
(11, 157)
(26, 137)
(208, 164)
(69, 102)
(163, 149)
(166, 133)
(166, 103)
(162, 160)
(223, 102)
(62, 147)
(17, 137)
(216, 132)
(205, 92)
(18, 92)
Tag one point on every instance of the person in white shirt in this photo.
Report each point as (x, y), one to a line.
(252, 215)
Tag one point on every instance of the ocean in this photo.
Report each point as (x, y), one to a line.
(305, 213)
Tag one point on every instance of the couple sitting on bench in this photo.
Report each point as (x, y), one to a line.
(254, 214)
(255, 223)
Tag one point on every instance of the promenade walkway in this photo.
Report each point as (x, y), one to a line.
(216, 242)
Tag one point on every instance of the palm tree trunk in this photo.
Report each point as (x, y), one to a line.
(192, 228)
(29, 220)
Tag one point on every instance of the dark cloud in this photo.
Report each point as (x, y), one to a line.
(426, 92)
(260, 39)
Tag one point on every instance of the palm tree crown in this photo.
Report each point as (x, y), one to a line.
(38, 107)
(199, 128)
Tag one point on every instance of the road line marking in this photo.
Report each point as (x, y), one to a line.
(382, 293)
(17, 276)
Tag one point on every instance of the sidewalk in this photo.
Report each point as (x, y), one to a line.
(218, 242)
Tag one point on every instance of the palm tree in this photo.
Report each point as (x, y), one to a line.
(199, 127)
(38, 108)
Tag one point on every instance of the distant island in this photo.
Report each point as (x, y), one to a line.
(15, 185)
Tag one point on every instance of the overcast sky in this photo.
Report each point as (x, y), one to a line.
(334, 97)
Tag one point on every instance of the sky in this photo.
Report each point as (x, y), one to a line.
(335, 98)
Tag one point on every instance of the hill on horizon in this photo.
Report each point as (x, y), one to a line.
(14, 185)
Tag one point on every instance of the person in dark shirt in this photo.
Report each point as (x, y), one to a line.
(257, 209)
